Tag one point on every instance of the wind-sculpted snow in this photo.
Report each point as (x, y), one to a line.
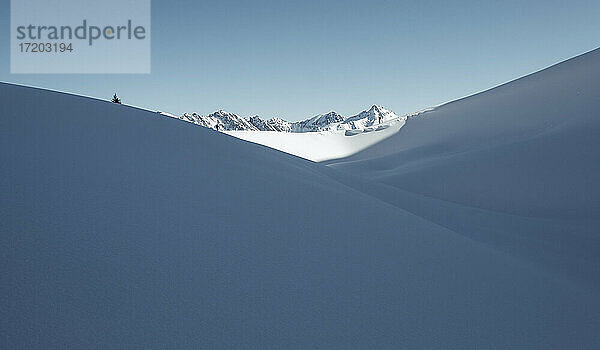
(121, 228)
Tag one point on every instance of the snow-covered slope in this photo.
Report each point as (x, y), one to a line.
(322, 137)
(529, 146)
(323, 145)
(121, 228)
(328, 136)
(516, 166)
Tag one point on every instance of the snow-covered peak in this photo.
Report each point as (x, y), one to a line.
(375, 115)
(279, 124)
(224, 120)
(328, 121)
(318, 123)
(273, 124)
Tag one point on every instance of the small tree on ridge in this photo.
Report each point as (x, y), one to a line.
(115, 99)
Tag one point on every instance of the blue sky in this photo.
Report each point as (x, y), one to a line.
(298, 59)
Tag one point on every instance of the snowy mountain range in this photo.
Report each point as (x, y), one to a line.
(227, 121)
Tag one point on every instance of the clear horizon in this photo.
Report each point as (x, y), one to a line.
(296, 60)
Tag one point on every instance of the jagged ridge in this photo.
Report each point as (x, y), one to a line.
(329, 121)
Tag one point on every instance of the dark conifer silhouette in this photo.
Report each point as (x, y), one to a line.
(115, 99)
